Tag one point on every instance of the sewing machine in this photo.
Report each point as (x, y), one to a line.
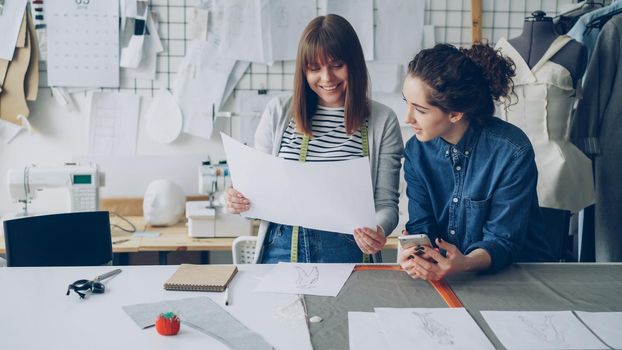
(82, 182)
(210, 218)
(213, 180)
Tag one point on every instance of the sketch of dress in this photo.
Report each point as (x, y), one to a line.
(545, 330)
(434, 328)
(307, 278)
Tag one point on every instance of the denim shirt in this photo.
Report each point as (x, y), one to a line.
(480, 193)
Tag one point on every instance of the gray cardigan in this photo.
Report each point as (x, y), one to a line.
(385, 147)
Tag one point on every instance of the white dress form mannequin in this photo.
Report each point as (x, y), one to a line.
(546, 122)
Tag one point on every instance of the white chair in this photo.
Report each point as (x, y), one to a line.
(243, 250)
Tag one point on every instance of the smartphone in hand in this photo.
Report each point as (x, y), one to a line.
(414, 240)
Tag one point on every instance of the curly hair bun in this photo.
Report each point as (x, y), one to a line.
(496, 69)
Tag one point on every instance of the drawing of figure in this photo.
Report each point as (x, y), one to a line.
(545, 330)
(307, 278)
(235, 19)
(282, 17)
(435, 329)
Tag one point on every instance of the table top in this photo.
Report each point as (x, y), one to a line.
(521, 287)
(38, 314)
(33, 302)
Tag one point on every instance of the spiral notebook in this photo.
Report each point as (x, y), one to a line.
(201, 278)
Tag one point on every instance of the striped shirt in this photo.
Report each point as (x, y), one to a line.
(330, 142)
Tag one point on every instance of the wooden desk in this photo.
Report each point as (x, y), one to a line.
(175, 238)
(171, 238)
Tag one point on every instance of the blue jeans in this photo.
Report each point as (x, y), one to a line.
(314, 246)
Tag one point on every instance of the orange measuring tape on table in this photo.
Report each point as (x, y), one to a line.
(441, 287)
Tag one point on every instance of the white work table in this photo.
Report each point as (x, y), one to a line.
(36, 313)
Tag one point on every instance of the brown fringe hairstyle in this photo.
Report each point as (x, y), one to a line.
(328, 38)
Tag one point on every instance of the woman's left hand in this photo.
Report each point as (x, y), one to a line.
(370, 241)
(432, 265)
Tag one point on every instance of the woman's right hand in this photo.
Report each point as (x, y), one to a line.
(236, 202)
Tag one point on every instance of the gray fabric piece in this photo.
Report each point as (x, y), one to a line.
(522, 287)
(363, 291)
(547, 287)
(205, 316)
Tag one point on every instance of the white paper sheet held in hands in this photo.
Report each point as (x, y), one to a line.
(329, 196)
(311, 279)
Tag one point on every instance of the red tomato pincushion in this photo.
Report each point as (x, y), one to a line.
(167, 323)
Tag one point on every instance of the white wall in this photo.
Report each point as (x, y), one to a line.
(59, 135)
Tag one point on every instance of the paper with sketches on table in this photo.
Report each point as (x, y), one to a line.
(606, 325)
(310, 279)
(541, 330)
(364, 331)
(431, 328)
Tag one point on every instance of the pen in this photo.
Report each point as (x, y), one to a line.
(121, 241)
(226, 296)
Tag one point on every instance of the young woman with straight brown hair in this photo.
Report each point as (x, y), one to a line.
(330, 117)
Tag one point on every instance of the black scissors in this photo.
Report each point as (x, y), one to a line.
(94, 285)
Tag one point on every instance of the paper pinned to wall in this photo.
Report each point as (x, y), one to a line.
(147, 67)
(337, 195)
(10, 24)
(360, 14)
(133, 35)
(288, 18)
(83, 43)
(244, 30)
(113, 125)
(433, 328)
(200, 85)
(309, 279)
(234, 78)
(198, 20)
(398, 21)
(163, 118)
(364, 331)
(264, 31)
(540, 330)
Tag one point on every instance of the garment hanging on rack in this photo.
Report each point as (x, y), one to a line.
(545, 98)
(588, 38)
(565, 21)
(598, 123)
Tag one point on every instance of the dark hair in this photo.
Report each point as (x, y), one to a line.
(464, 80)
(325, 38)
